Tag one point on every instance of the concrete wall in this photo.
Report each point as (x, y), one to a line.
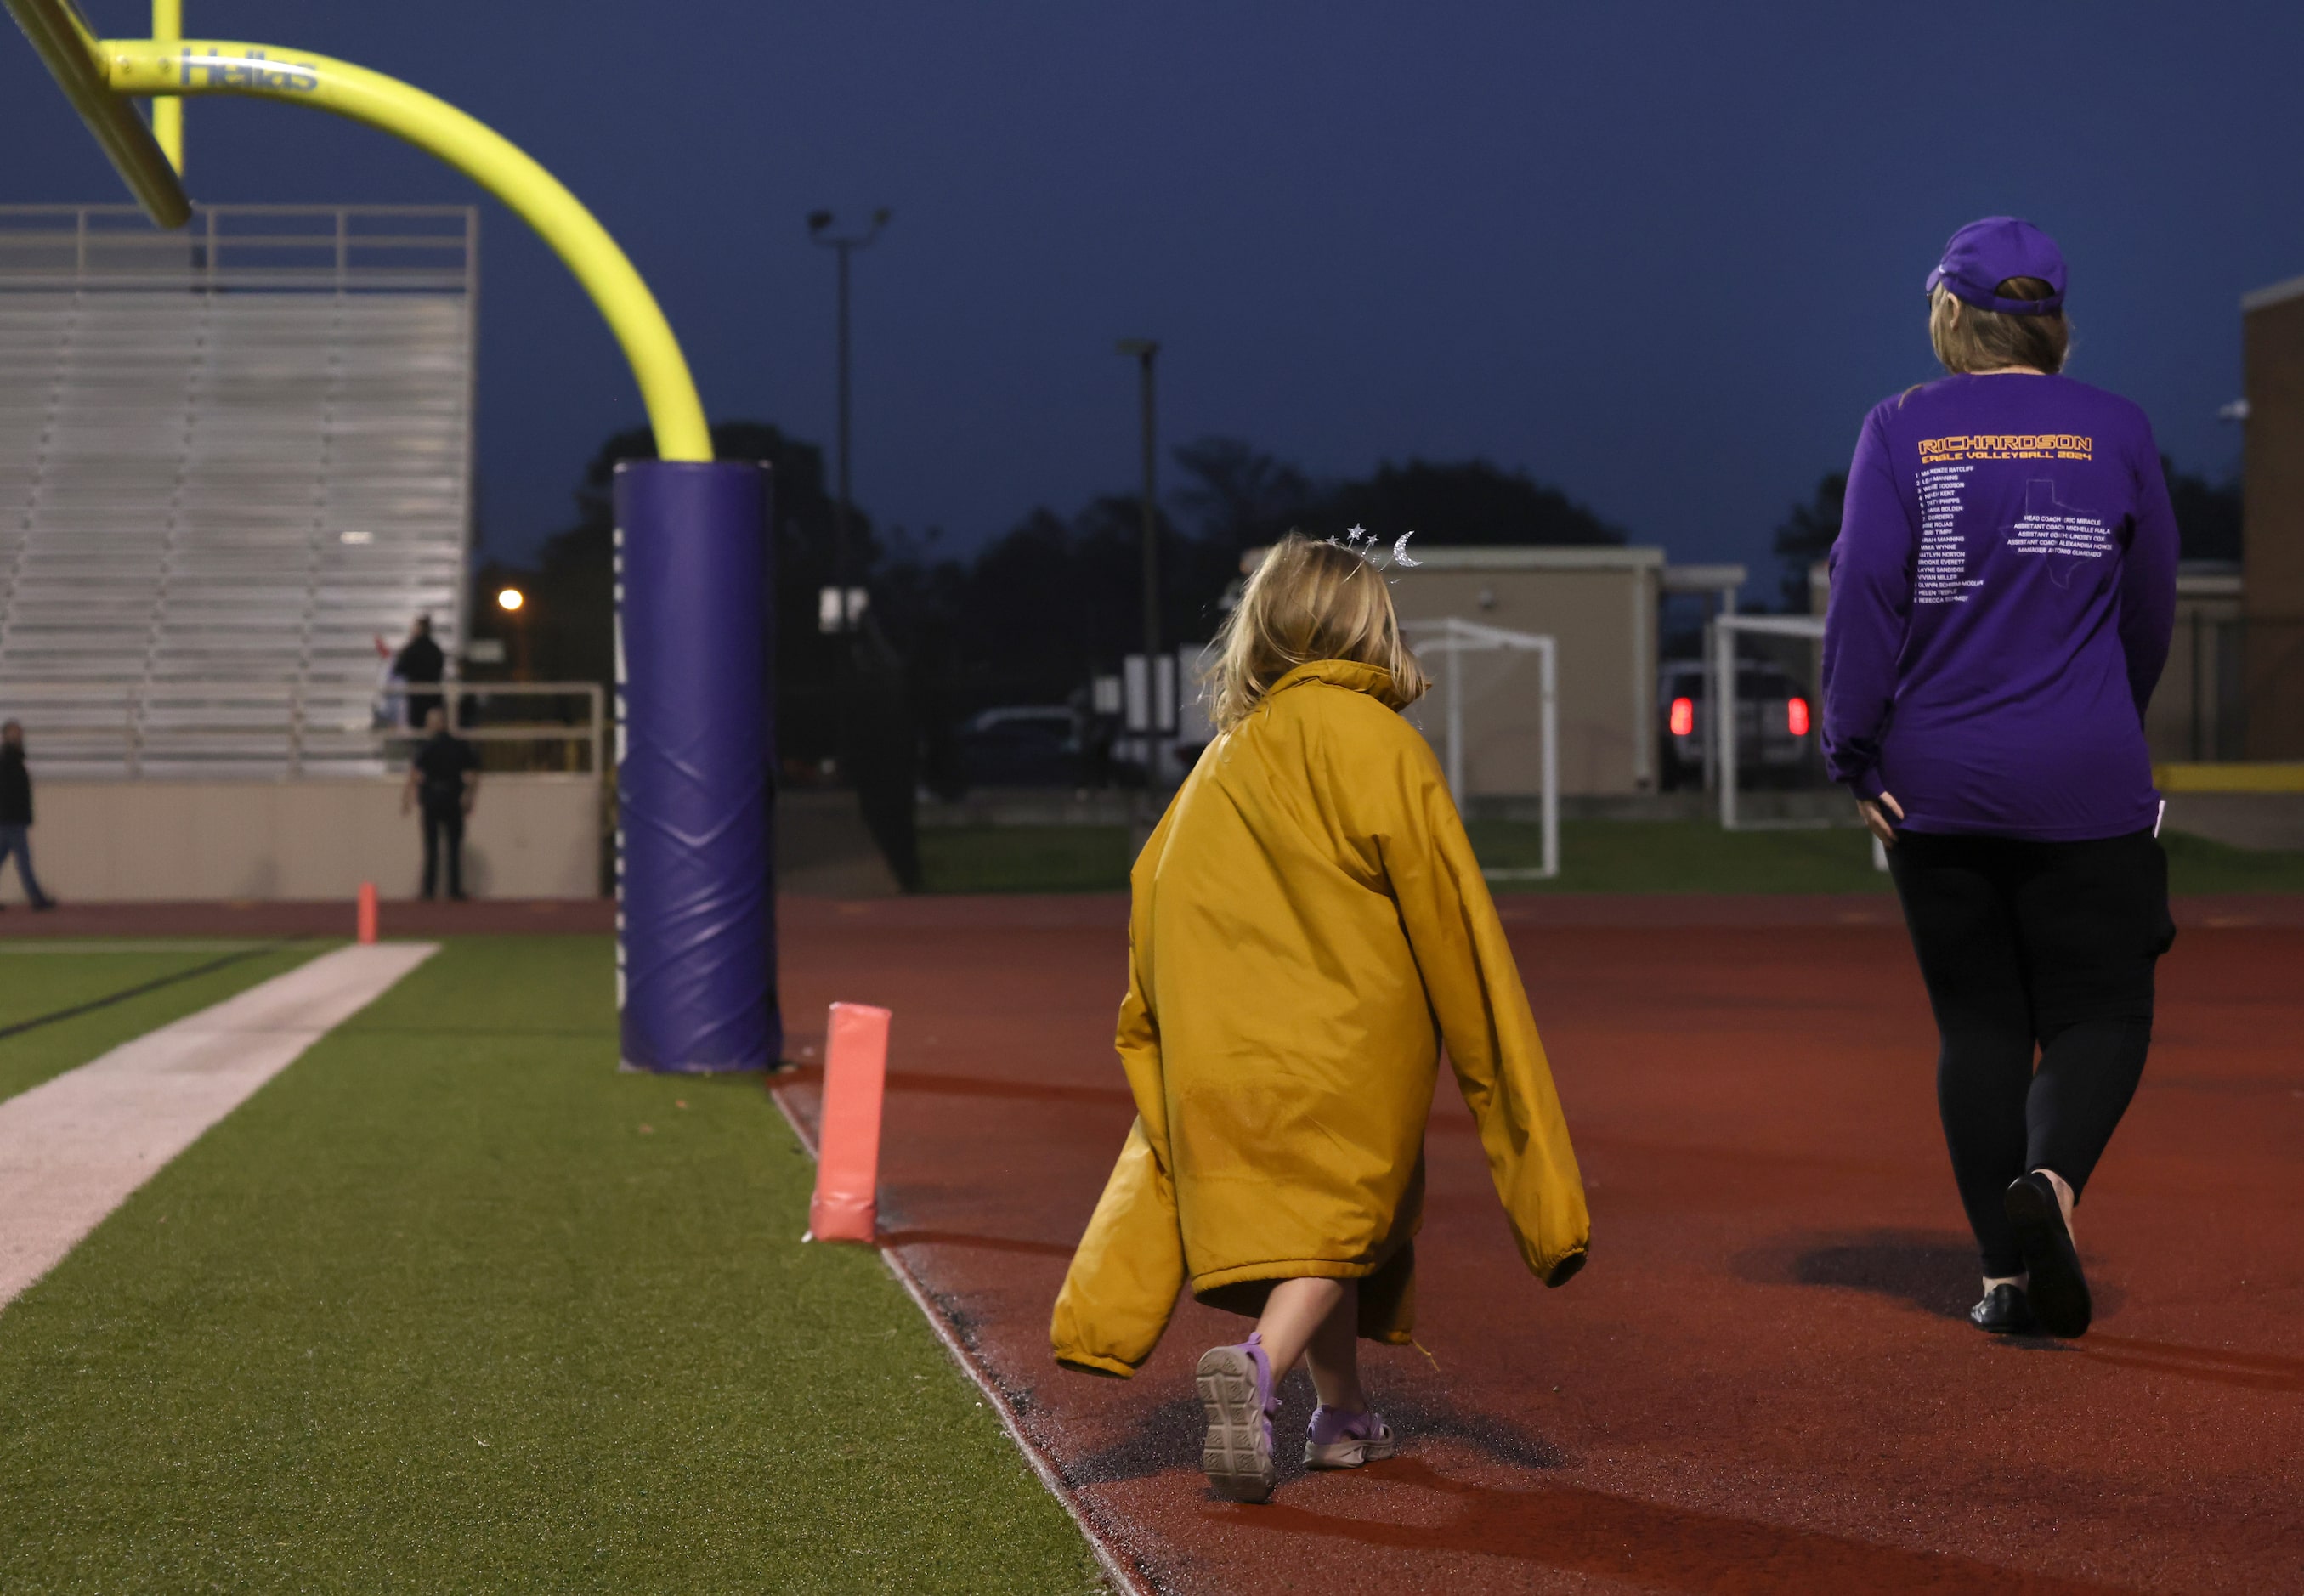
(2195, 712)
(2272, 337)
(530, 836)
(1600, 606)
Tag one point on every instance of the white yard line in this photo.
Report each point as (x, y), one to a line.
(1118, 1567)
(73, 1147)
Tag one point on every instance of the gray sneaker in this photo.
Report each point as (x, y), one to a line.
(1235, 1385)
(1339, 1438)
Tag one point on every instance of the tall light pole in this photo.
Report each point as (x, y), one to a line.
(1147, 350)
(842, 244)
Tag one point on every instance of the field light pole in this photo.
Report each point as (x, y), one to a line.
(1147, 350)
(842, 245)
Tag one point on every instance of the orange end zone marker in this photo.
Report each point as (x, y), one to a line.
(845, 1207)
(368, 912)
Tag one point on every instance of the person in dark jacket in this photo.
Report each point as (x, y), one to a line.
(421, 664)
(2003, 588)
(443, 780)
(16, 813)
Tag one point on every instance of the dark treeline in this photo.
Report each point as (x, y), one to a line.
(1032, 615)
(570, 618)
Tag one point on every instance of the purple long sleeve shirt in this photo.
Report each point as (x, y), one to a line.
(2003, 592)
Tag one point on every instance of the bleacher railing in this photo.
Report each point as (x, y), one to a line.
(320, 248)
(232, 730)
(2237, 687)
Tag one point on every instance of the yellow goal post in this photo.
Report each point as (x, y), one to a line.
(101, 76)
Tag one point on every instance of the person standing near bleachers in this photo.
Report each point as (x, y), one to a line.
(16, 812)
(418, 665)
(443, 780)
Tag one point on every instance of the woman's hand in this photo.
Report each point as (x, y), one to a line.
(1876, 812)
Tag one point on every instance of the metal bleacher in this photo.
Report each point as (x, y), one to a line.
(231, 459)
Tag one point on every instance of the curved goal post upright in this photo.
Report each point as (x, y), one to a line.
(1456, 637)
(695, 928)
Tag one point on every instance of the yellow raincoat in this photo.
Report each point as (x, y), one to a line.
(1310, 926)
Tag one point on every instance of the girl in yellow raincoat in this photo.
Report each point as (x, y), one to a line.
(1309, 927)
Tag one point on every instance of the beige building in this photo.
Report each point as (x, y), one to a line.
(1600, 606)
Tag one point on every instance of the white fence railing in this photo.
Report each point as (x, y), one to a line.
(1721, 664)
(1725, 702)
(261, 730)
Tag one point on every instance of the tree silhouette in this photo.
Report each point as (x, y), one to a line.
(1806, 535)
(1033, 614)
(1459, 502)
(1237, 496)
(2207, 514)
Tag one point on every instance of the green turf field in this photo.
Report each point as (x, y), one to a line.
(1681, 856)
(50, 975)
(453, 1305)
(1595, 856)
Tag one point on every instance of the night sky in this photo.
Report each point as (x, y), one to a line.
(1662, 256)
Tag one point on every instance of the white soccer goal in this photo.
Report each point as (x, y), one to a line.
(1457, 638)
(1721, 668)
(1720, 686)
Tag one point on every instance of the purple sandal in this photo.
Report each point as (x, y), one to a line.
(1342, 1439)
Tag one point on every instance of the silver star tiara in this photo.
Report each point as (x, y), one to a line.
(1364, 543)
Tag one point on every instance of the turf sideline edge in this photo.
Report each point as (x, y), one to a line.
(1117, 1567)
(76, 1146)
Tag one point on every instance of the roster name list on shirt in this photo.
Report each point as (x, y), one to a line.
(1940, 575)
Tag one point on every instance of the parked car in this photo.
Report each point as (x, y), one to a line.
(1023, 745)
(1776, 730)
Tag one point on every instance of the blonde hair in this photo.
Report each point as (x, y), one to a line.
(1308, 601)
(1968, 339)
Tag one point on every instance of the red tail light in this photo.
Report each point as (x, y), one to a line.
(1796, 717)
(1683, 716)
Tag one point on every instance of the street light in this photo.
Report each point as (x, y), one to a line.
(1145, 350)
(820, 229)
(514, 603)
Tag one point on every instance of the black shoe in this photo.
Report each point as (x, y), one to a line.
(2059, 1292)
(44, 906)
(2005, 1310)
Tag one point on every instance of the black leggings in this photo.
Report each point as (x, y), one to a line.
(2024, 944)
(444, 832)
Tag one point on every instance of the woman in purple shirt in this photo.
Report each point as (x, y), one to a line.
(2003, 591)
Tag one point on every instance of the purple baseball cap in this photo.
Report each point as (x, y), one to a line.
(1983, 254)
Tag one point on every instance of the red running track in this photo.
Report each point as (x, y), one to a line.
(253, 917)
(1764, 1382)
